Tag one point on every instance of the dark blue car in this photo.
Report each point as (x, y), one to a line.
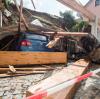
(33, 42)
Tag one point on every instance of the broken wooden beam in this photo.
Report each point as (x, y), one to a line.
(70, 72)
(29, 58)
(67, 33)
(22, 16)
(11, 30)
(77, 7)
(52, 43)
(21, 74)
(27, 72)
(20, 13)
(4, 70)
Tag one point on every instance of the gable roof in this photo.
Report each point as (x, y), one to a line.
(89, 2)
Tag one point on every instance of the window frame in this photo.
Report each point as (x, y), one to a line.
(97, 2)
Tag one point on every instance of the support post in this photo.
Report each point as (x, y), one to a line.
(94, 29)
(0, 19)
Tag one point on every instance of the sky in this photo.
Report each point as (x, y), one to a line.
(49, 6)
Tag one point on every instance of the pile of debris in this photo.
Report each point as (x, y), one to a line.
(33, 20)
(90, 88)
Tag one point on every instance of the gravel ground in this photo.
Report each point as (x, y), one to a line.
(90, 88)
(16, 87)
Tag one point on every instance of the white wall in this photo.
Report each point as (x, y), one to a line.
(96, 11)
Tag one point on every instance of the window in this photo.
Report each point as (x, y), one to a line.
(97, 2)
(34, 36)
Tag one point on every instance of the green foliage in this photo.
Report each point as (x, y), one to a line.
(68, 20)
(7, 3)
(80, 26)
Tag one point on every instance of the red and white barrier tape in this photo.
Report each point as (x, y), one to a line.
(63, 85)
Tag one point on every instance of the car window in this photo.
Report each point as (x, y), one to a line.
(39, 37)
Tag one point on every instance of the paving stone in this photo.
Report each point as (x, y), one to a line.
(17, 86)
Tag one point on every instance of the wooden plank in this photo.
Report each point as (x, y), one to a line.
(79, 8)
(24, 58)
(10, 30)
(74, 5)
(27, 69)
(65, 74)
(20, 13)
(23, 73)
(68, 33)
(5, 70)
(22, 16)
(52, 43)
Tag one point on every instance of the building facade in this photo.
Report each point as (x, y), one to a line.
(94, 7)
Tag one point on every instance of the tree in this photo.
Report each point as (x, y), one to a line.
(7, 3)
(80, 26)
(68, 20)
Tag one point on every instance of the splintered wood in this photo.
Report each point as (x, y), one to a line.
(29, 58)
(73, 70)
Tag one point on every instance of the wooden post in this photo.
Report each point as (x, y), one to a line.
(20, 19)
(25, 23)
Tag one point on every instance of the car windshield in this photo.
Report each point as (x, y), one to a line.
(39, 37)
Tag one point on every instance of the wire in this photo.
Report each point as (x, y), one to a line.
(33, 4)
(7, 44)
